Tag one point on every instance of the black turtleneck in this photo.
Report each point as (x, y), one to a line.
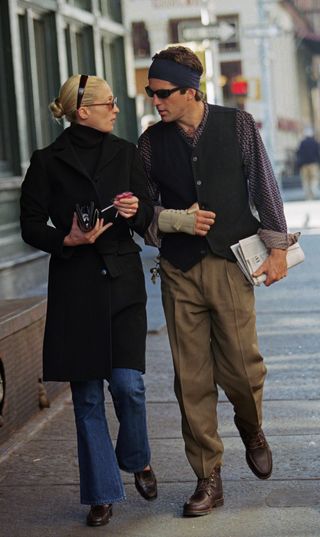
(87, 143)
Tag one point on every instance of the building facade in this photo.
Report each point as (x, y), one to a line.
(263, 65)
(42, 43)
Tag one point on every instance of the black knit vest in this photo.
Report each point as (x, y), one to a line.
(210, 173)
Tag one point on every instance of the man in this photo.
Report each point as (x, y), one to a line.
(308, 162)
(206, 163)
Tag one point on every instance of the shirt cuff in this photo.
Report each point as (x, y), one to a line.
(277, 239)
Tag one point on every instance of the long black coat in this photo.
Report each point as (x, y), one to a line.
(91, 284)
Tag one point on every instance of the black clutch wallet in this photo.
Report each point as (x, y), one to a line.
(87, 215)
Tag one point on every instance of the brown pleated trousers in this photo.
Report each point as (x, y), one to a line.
(210, 314)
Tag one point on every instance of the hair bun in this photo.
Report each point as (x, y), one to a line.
(57, 108)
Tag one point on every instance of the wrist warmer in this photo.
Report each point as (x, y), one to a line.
(177, 221)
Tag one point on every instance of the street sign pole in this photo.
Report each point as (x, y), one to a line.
(266, 79)
(216, 75)
(214, 93)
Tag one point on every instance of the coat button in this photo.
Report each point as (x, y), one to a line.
(104, 272)
(199, 183)
(194, 159)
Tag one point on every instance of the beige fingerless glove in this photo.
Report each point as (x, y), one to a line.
(177, 221)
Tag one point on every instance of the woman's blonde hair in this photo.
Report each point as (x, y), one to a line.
(66, 103)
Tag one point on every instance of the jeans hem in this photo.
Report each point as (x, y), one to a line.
(140, 469)
(101, 502)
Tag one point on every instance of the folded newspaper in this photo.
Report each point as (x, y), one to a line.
(251, 253)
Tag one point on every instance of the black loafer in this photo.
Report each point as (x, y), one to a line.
(146, 484)
(99, 515)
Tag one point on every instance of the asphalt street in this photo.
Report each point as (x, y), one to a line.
(39, 482)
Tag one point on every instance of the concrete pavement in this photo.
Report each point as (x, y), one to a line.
(38, 468)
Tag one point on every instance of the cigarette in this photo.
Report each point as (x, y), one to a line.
(106, 208)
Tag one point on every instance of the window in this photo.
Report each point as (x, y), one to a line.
(82, 4)
(107, 61)
(31, 141)
(47, 49)
(9, 153)
(142, 82)
(111, 8)
(80, 51)
(43, 88)
(229, 71)
(39, 66)
(115, 73)
(140, 40)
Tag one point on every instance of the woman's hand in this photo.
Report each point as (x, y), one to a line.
(126, 204)
(76, 237)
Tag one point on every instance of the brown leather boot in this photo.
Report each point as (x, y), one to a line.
(207, 496)
(258, 452)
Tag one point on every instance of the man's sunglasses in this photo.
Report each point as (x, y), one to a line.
(161, 93)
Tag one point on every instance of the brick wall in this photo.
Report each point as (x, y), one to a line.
(21, 334)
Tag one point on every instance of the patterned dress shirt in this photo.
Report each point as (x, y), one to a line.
(264, 195)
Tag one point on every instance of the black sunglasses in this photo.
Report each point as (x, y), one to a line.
(161, 93)
(82, 85)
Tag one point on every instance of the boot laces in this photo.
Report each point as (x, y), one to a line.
(256, 440)
(207, 484)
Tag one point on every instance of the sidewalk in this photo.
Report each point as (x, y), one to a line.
(303, 215)
(39, 483)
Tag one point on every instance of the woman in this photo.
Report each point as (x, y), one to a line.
(96, 315)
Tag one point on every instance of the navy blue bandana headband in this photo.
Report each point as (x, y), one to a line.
(174, 72)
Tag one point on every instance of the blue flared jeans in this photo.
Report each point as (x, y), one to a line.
(99, 462)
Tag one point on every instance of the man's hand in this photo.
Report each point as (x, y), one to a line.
(204, 219)
(275, 266)
(76, 237)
